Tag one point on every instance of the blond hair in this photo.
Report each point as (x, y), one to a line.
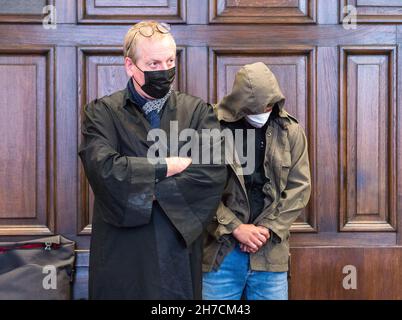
(133, 37)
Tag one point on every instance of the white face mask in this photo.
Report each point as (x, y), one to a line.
(258, 120)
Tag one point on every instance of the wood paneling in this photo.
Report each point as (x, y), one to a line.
(205, 35)
(375, 11)
(326, 171)
(130, 11)
(262, 11)
(26, 148)
(22, 10)
(399, 135)
(367, 139)
(318, 273)
(101, 73)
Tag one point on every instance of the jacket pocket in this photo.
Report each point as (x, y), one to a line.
(268, 190)
(285, 169)
(277, 252)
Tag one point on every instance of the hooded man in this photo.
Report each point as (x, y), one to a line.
(148, 218)
(246, 251)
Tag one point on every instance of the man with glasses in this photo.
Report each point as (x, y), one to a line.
(148, 218)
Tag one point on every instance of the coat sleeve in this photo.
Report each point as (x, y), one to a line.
(191, 198)
(227, 221)
(123, 186)
(297, 192)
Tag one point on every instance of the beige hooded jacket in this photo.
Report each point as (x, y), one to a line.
(286, 166)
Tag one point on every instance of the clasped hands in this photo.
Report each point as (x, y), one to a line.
(251, 237)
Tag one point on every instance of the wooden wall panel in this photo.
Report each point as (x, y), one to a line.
(101, 72)
(26, 147)
(262, 11)
(367, 143)
(294, 68)
(375, 11)
(130, 11)
(22, 10)
(318, 273)
(399, 135)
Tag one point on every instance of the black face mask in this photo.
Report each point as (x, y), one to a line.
(157, 83)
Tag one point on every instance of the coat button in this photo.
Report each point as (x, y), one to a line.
(221, 220)
(269, 133)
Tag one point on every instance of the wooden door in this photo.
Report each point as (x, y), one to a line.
(343, 84)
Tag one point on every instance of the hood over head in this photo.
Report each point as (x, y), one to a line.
(254, 88)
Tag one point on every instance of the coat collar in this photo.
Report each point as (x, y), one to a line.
(170, 103)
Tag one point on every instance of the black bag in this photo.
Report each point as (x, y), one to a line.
(40, 269)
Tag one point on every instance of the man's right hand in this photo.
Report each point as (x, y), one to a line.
(176, 165)
(251, 235)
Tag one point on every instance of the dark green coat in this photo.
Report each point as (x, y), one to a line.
(143, 248)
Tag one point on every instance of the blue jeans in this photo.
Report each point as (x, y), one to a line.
(234, 276)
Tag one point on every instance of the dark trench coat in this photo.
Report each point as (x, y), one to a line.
(143, 248)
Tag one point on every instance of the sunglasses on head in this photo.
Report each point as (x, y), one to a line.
(149, 30)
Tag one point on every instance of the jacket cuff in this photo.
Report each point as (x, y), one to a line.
(227, 226)
(274, 237)
(277, 235)
(138, 208)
